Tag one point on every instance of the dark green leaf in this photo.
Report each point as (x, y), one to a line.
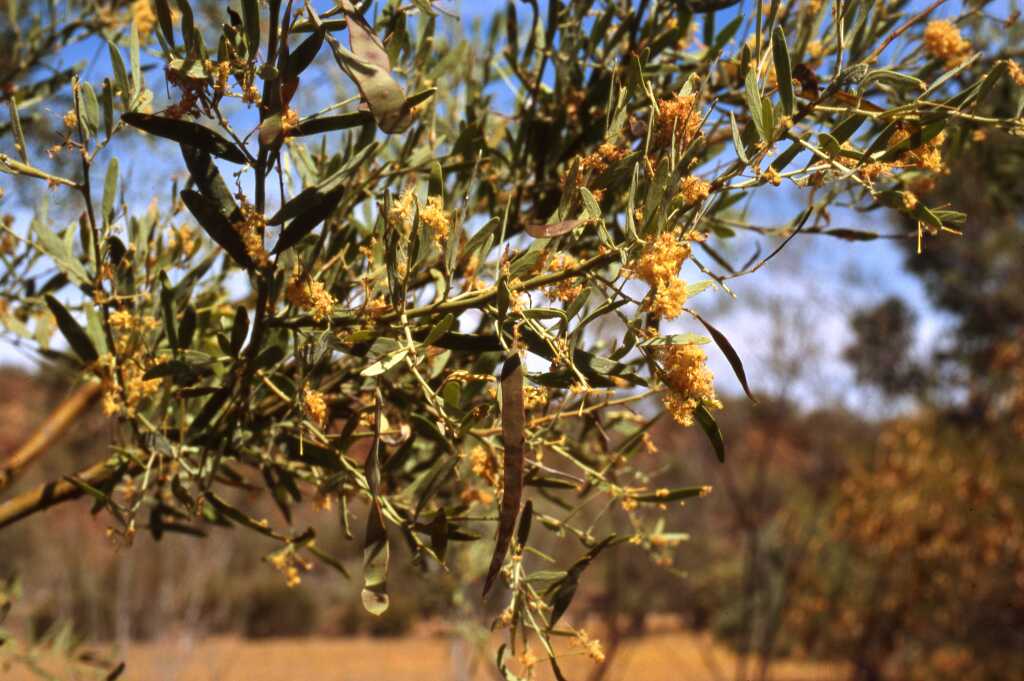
(239, 330)
(783, 70)
(316, 208)
(209, 217)
(302, 56)
(251, 19)
(523, 533)
(75, 335)
(208, 180)
(167, 308)
(315, 125)
(562, 591)
(187, 133)
(710, 427)
(670, 495)
(187, 328)
(163, 15)
(730, 354)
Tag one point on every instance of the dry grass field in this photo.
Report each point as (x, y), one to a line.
(656, 657)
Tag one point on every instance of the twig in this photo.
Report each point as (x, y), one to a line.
(55, 425)
(877, 52)
(52, 493)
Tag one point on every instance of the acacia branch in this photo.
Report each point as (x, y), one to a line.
(52, 493)
(55, 425)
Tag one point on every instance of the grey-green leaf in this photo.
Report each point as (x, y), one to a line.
(783, 70)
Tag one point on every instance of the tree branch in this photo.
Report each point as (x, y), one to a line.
(52, 493)
(49, 432)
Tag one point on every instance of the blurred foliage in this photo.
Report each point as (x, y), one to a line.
(441, 310)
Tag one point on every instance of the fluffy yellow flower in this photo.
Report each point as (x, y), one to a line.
(432, 214)
(591, 646)
(668, 298)
(689, 380)
(250, 228)
(484, 465)
(565, 290)
(661, 259)
(1016, 72)
(942, 40)
(316, 406)
(658, 266)
(311, 295)
(928, 156)
(677, 117)
(693, 189)
(143, 17)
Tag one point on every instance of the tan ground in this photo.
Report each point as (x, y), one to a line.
(657, 657)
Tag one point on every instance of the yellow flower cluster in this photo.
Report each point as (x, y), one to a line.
(1016, 72)
(810, 8)
(432, 214)
(690, 381)
(565, 290)
(136, 387)
(125, 320)
(591, 646)
(484, 465)
(289, 120)
(693, 189)
(143, 17)
(595, 164)
(183, 237)
(309, 294)
(316, 406)
(474, 495)
(658, 266)
(942, 40)
(223, 70)
(928, 156)
(251, 227)
(678, 117)
(288, 564)
(534, 397)
(599, 161)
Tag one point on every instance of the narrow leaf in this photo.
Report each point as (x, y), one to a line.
(553, 230)
(315, 212)
(239, 330)
(376, 551)
(513, 424)
(217, 226)
(75, 335)
(783, 70)
(110, 191)
(710, 427)
(186, 132)
(315, 125)
(730, 354)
